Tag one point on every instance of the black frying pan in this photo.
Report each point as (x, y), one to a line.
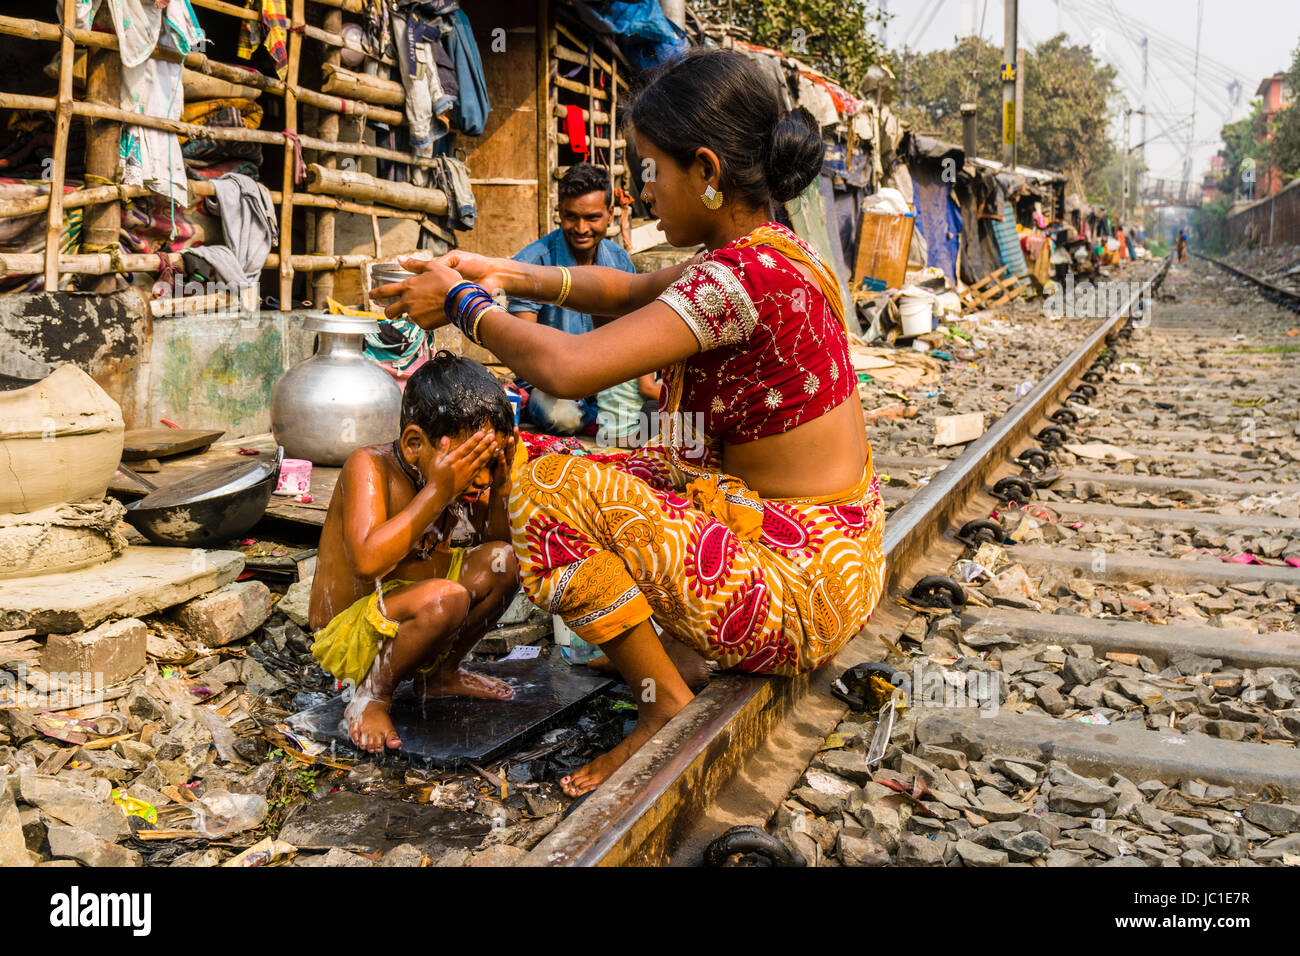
(205, 509)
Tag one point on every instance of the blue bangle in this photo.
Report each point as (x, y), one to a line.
(476, 294)
(449, 303)
(471, 303)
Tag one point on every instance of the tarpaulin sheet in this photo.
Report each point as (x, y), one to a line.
(938, 217)
(1009, 242)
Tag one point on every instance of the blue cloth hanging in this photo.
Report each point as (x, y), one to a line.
(472, 108)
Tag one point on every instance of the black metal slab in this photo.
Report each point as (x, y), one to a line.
(449, 730)
(373, 822)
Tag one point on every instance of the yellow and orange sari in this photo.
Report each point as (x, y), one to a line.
(772, 586)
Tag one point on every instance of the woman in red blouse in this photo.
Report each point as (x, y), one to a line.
(752, 529)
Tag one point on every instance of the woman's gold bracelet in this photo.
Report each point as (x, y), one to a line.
(473, 332)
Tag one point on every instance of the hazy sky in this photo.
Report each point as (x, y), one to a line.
(1245, 40)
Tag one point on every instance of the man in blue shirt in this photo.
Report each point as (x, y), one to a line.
(586, 210)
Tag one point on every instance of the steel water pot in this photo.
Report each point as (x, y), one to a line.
(329, 405)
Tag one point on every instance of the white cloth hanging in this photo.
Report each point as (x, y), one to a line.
(150, 157)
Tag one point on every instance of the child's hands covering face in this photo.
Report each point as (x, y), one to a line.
(505, 458)
(454, 467)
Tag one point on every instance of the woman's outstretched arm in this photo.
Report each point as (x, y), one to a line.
(596, 290)
(567, 366)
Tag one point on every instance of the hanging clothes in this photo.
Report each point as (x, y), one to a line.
(272, 31)
(150, 157)
(452, 177)
(415, 38)
(249, 224)
(472, 106)
(576, 130)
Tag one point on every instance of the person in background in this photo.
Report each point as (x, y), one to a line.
(629, 412)
(1182, 245)
(586, 211)
(1122, 254)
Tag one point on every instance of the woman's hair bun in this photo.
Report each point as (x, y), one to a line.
(794, 156)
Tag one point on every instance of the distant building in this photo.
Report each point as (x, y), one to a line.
(1210, 181)
(1272, 90)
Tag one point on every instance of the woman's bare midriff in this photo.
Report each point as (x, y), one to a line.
(821, 457)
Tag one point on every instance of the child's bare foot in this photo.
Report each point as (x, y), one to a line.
(463, 683)
(371, 728)
(588, 778)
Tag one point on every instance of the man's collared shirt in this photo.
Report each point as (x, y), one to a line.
(553, 250)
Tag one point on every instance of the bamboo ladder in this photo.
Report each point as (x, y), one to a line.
(324, 195)
(600, 108)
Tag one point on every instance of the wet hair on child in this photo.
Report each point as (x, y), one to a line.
(451, 396)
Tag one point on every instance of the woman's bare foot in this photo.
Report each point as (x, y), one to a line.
(370, 726)
(651, 718)
(463, 683)
(690, 663)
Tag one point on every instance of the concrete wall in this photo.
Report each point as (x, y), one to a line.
(201, 371)
(1272, 221)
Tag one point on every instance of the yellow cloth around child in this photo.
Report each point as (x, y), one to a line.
(348, 645)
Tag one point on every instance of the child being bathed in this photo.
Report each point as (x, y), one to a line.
(392, 598)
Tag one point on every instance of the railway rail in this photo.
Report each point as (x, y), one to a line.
(736, 753)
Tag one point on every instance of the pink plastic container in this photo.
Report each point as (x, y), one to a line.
(295, 477)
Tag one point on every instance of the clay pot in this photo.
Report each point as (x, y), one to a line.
(60, 439)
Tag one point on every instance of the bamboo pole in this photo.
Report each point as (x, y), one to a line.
(96, 195)
(564, 83)
(559, 171)
(347, 6)
(563, 140)
(559, 112)
(591, 121)
(323, 286)
(354, 184)
(349, 107)
(100, 224)
(618, 54)
(562, 52)
(38, 30)
(19, 101)
(361, 86)
(614, 141)
(299, 15)
(62, 129)
(330, 39)
(229, 9)
(545, 112)
(101, 263)
(552, 148)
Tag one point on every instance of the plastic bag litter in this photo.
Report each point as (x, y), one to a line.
(220, 813)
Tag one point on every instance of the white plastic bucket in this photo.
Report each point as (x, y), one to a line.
(916, 312)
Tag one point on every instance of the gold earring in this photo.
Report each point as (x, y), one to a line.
(712, 198)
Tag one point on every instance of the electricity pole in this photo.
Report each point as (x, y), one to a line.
(1010, 68)
(1123, 190)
